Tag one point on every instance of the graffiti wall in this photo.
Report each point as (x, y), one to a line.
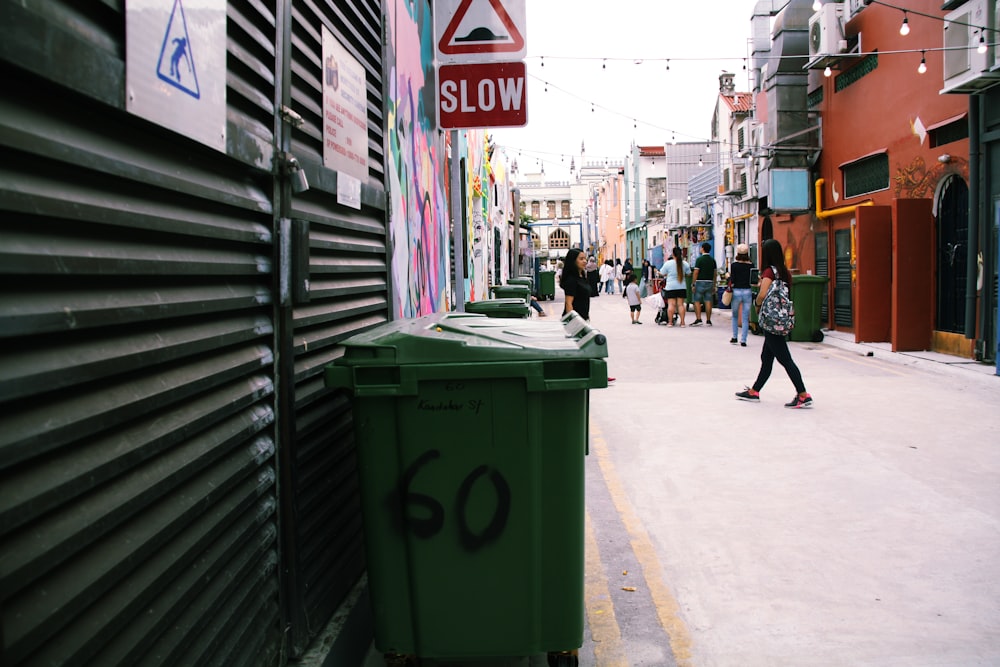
(418, 224)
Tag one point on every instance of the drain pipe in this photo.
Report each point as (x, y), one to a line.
(972, 254)
(823, 215)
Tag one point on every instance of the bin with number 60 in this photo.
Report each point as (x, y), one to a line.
(471, 435)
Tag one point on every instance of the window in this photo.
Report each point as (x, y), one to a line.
(564, 213)
(535, 210)
(949, 132)
(867, 65)
(551, 209)
(558, 239)
(869, 174)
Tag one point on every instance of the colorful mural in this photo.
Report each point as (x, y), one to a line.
(418, 224)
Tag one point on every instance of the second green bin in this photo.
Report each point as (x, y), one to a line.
(472, 491)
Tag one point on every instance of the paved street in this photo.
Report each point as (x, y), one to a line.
(865, 531)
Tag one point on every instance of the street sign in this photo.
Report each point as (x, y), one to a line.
(175, 66)
(482, 95)
(480, 30)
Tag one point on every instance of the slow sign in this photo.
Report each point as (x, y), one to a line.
(482, 95)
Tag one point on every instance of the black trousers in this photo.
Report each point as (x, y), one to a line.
(776, 347)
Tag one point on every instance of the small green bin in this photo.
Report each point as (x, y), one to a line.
(807, 294)
(546, 284)
(511, 292)
(522, 280)
(472, 491)
(499, 307)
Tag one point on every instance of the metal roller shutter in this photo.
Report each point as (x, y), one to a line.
(340, 260)
(177, 486)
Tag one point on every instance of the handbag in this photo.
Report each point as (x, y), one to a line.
(727, 296)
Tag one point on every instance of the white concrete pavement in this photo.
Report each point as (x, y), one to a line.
(864, 531)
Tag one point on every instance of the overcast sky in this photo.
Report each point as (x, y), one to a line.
(679, 102)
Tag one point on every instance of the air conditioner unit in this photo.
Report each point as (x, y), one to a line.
(855, 6)
(965, 69)
(826, 34)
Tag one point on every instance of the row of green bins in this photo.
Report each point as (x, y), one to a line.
(807, 294)
(546, 285)
(499, 307)
(472, 491)
(511, 292)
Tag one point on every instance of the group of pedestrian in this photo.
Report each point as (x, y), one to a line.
(611, 276)
(578, 287)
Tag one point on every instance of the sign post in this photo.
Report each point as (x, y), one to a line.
(480, 49)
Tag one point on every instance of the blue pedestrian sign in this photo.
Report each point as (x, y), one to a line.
(176, 64)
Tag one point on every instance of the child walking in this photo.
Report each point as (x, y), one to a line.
(632, 296)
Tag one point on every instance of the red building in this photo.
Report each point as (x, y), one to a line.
(889, 223)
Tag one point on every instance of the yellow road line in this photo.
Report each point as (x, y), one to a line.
(666, 605)
(608, 649)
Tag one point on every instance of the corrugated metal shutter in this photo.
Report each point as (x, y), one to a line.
(138, 511)
(342, 251)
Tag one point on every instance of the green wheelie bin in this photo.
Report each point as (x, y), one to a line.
(515, 308)
(511, 292)
(472, 493)
(546, 285)
(806, 293)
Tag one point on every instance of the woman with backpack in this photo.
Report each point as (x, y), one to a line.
(775, 345)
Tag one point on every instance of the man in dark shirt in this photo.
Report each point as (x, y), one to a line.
(703, 285)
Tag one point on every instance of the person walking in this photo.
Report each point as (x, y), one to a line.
(646, 279)
(634, 300)
(775, 346)
(674, 290)
(593, 275)
(703, 284)
(739, 282)
(619, 276)
(575, 284)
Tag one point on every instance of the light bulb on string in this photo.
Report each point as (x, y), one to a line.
(817, 5)
(923, 63)
(708, 147)
(982, 44)
(827, 72)
(701, 163)
(904, 29)
(542, 59)
(668, 65)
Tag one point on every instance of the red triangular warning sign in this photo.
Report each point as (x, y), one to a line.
(481, 39)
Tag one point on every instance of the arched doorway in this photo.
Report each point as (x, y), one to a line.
(952, 255)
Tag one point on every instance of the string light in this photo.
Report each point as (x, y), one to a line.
(708, 147)
(827, 72)
(923, 63)
(982, 44)
(904, 29)
(817, 5)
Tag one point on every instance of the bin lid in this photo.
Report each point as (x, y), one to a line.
(521, 280)
(495, 304)
(798, 278)
(461, 338)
